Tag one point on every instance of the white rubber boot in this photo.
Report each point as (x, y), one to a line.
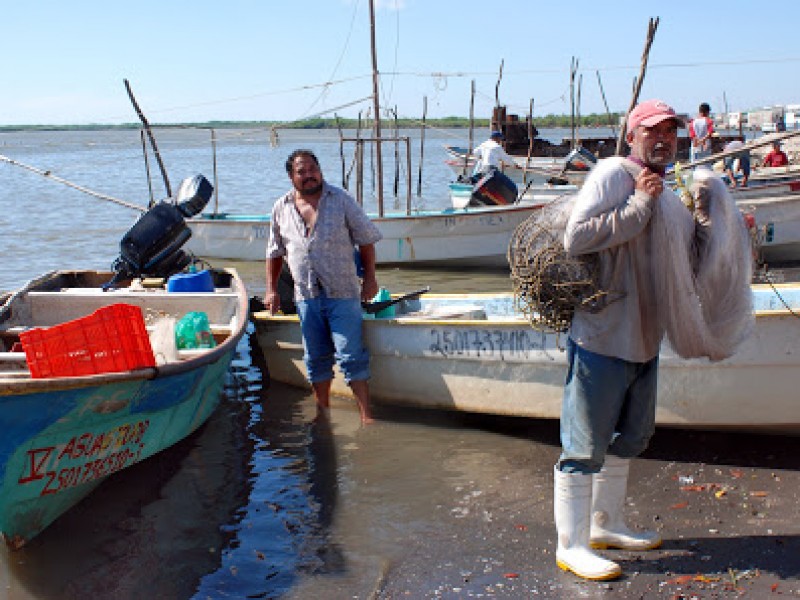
(609, 530)
(572, 505)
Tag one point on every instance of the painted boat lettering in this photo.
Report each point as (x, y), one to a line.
(485, 343)
(84, 458)
(492, 220)
(260, 232)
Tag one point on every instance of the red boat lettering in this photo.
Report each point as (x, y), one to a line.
(48, 487)
(38, 459)
(85, 457)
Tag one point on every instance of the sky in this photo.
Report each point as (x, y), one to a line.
(65, 61)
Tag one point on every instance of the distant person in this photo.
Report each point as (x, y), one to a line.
(316, 226)
(743, 165)
(776, 157)
(700, 130)
(491, 155)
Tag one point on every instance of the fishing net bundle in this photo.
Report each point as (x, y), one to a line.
(701, 275)
(549, 285)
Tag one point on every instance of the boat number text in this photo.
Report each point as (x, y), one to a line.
(84, 458)
(260, 232)
(486, 343)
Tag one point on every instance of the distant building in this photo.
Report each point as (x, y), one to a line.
(767, 119)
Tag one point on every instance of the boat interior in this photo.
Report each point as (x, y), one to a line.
(65, 296)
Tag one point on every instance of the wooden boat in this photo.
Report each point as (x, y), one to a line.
(473, 237)
(64, 435)
(475, 353)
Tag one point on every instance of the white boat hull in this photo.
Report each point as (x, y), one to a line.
(476, 237)
(502, 366)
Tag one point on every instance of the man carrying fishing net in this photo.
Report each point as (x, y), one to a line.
(663, 270)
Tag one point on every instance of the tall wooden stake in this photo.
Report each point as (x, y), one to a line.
(376, 104)
(605, 103)
(146, 125)
(637, 88)
(422, 144)
(471, 126)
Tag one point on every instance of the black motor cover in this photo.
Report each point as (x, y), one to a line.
(193, 195)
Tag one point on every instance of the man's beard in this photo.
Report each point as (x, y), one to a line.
(311, 190)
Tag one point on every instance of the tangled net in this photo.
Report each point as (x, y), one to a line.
(549, 285)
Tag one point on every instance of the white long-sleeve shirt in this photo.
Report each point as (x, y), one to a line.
(489, 154)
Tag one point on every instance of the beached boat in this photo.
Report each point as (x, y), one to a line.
(125, 398)
(475, 353)
(473, 237)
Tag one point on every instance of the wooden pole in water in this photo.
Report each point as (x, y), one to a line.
(578, 111)
(147, 169)
(396, 132)
(573, 69)
(143, 119)
(471, 126)
(376, 104)
(637, 88)
(421, 144)
(605, 103)
(341, 149)
(216, 179)
(530, 143)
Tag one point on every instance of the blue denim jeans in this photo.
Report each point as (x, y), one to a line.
(332, 333)
(609, 406)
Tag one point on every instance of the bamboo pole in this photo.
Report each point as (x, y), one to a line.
(578, 111)
(341, 150)
(376, 102)
(471, 127)
(605, 103)
(49, 175)
(637, 87)
(214, 167)
(422, 145)
(147, 169)
(143, 119)
(530, 143)
(395, 133)
(573, 69)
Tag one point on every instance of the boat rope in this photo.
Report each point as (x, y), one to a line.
(768, 278)
(49, 175)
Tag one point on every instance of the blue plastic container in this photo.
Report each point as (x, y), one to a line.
(200, 281)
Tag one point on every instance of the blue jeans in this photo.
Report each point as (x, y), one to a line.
(609, 406)
(332, 333)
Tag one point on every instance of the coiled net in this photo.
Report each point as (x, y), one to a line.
(549, 285)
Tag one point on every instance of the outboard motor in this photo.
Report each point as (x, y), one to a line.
(152, 247)
(494, 189)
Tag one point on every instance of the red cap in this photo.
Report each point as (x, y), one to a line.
(650, 113)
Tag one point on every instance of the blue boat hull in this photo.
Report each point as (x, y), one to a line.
(61, 444)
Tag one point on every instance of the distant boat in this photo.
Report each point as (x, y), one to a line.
(63, 435)
(541, 170)
(475, 353)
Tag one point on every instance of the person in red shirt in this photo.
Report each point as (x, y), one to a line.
(776, 157)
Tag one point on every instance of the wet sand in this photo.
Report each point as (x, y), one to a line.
(726, 505)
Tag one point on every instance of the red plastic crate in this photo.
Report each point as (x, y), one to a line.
(111, 339)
